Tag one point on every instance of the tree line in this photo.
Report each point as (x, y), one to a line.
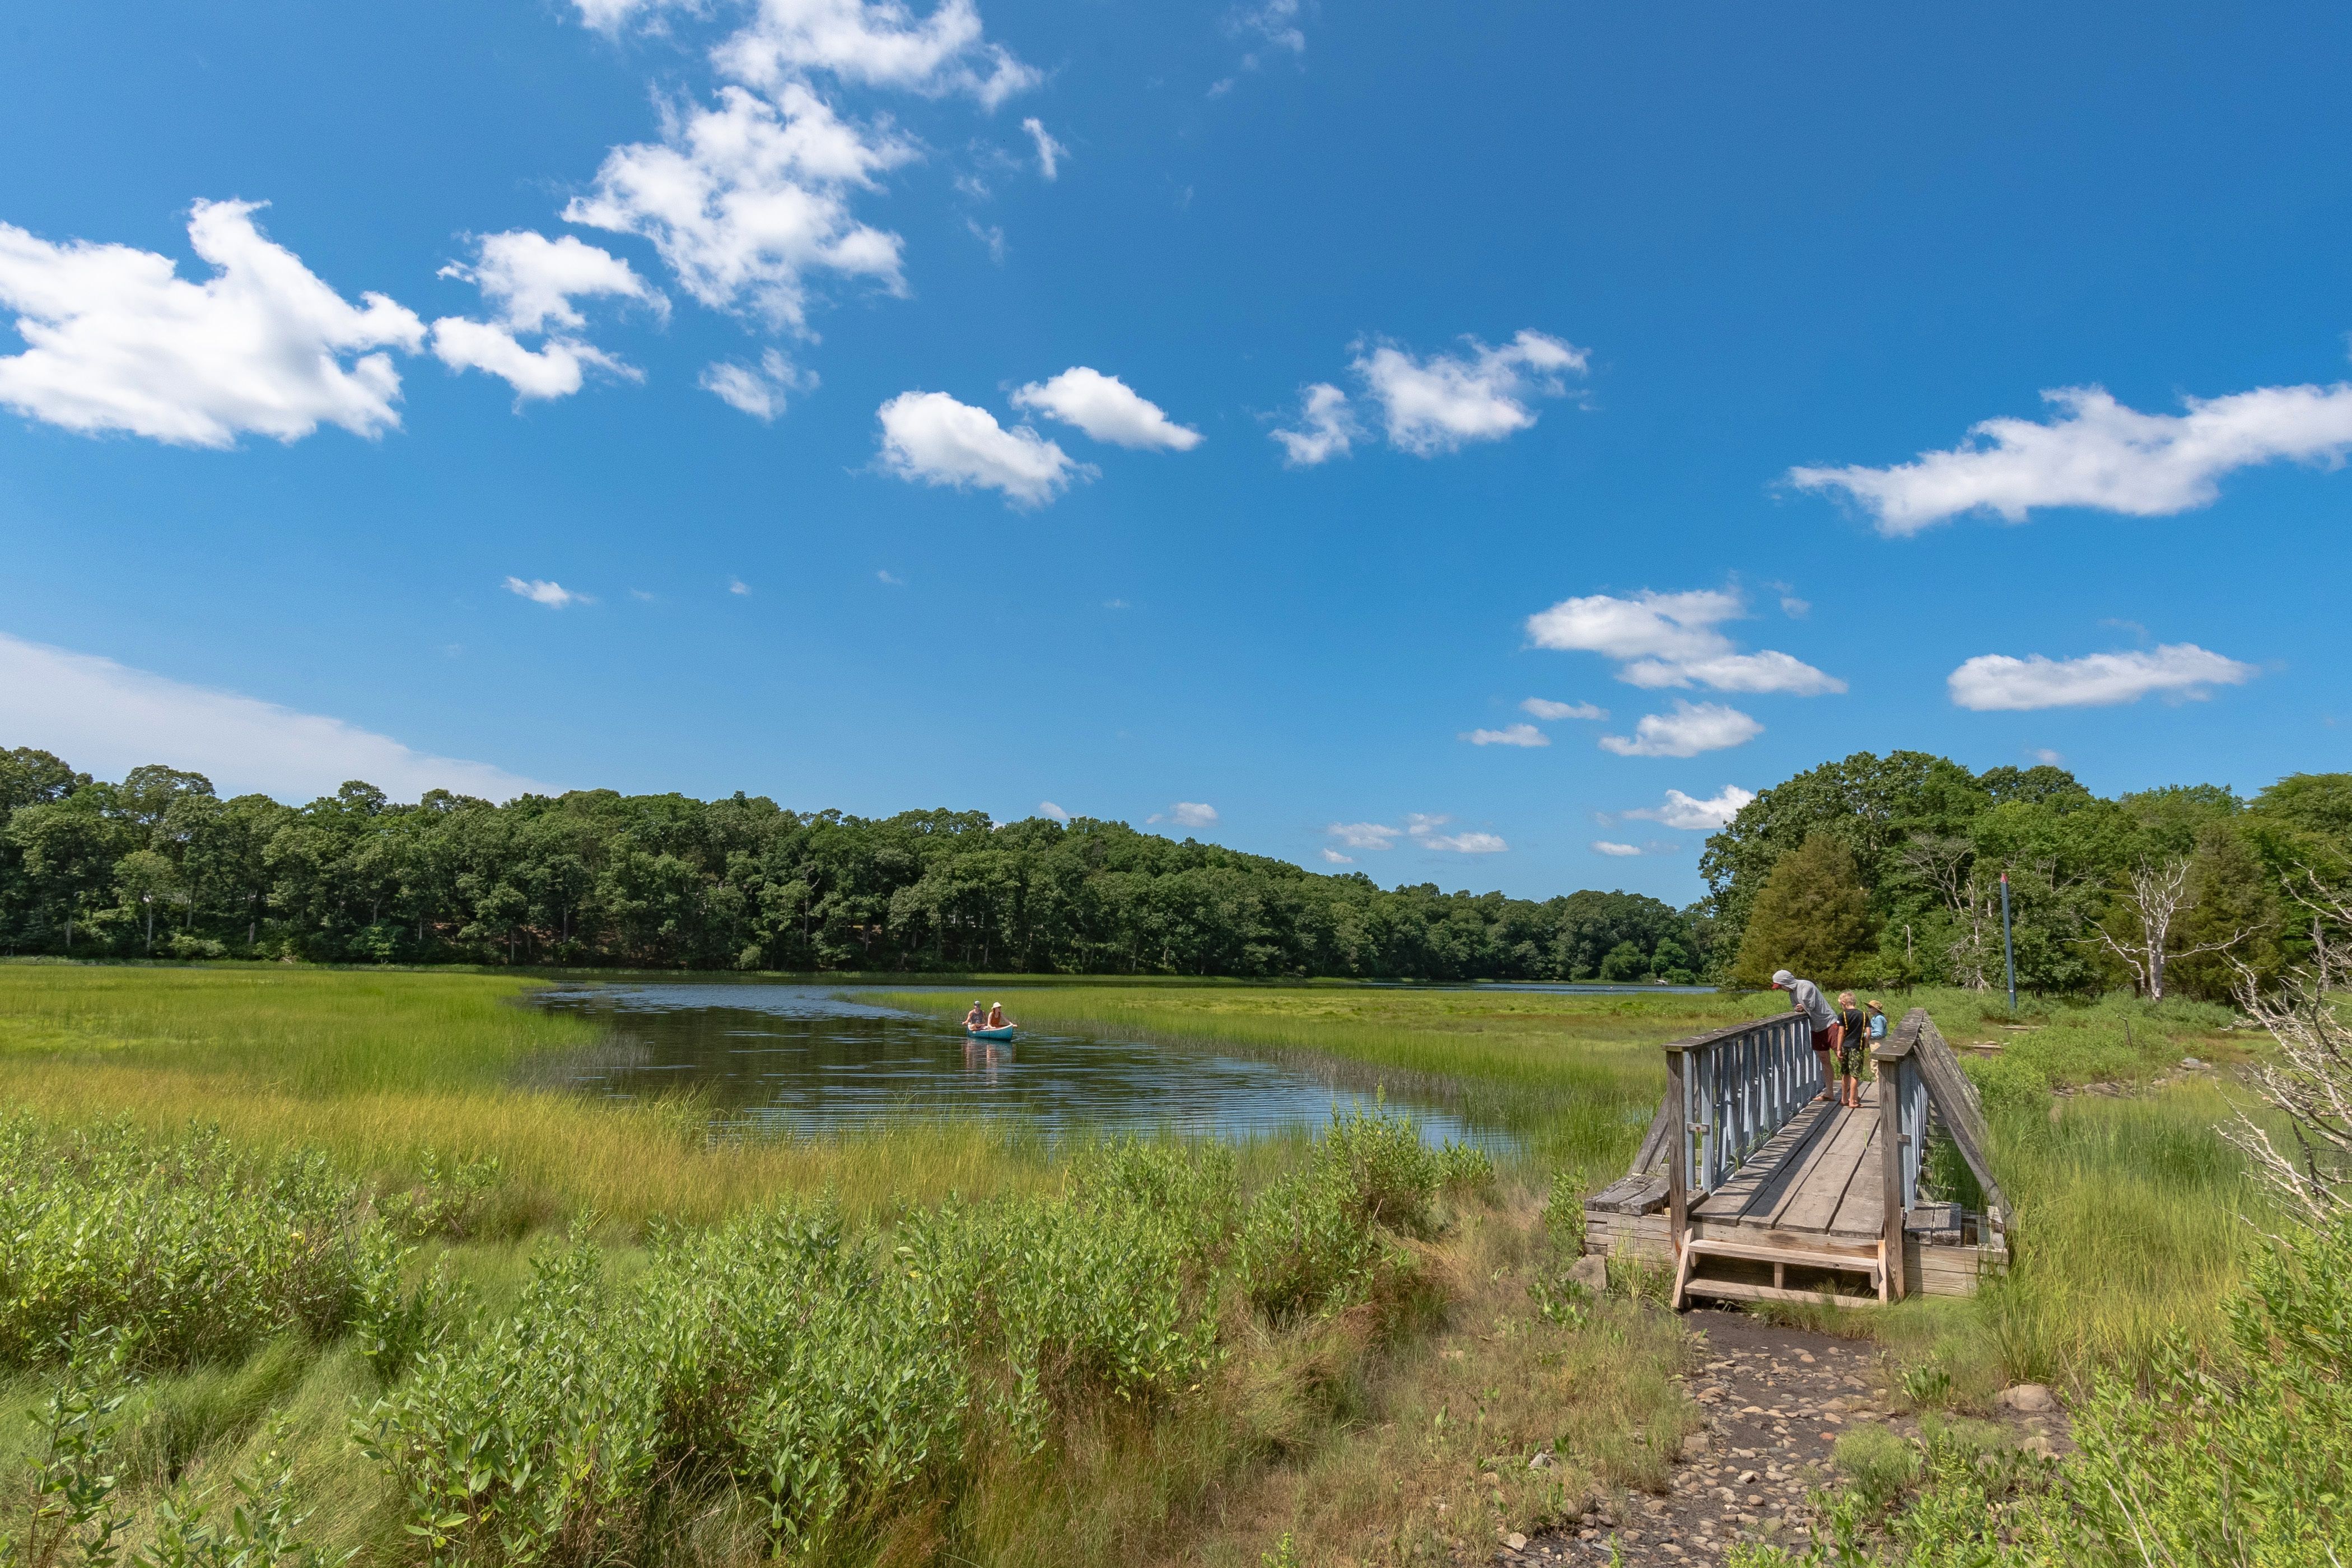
(157, 864)
(1889, 869)
(1867, 870)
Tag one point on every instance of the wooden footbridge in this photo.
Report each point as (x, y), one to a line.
(1751, 1187)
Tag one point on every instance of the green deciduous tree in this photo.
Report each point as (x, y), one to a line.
(1812, 916)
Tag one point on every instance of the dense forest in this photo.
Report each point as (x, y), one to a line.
(1877, 869)
(1886, 869)
(158, 863)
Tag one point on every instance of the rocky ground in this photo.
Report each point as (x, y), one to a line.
(1776, 1401)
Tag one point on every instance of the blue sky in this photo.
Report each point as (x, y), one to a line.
(1658, 349)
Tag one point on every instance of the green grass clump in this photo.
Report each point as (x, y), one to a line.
(1877, 1464)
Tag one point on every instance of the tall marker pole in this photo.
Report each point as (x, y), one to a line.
(2008, 947)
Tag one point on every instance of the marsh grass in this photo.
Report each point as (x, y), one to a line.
(1329, 1428)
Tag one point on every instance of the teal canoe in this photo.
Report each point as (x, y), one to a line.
(1003, 1034)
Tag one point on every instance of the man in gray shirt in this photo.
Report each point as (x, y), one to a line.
(1805, 998)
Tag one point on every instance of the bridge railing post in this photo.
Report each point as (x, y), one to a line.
(1678, 1153)
(1902, 1137)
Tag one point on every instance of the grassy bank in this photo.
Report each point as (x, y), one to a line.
(1361, 1347)
(2127, 1201)
(1365, 1350)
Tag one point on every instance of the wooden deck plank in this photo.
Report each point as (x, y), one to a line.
(1863, 1211)
(1755, 1179)
(1808, 1200)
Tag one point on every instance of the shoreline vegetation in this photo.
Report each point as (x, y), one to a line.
(314, 1233)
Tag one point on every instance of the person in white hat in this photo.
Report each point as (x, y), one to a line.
(1805, 998)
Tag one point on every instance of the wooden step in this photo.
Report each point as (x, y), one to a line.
(1740, 1290)
(1807, 1255)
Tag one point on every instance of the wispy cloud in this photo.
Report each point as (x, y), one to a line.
(540, 591)
(110, 718)
(1544, 707)
(1047, 808)
(1188, 813)
(1509, 735)
(1996, 682)
(2098, 454)
(760, 391)
(738, 586)
(1603, 846)
(1424, 829)
(1334, 857)
(1327, 427)
(1050, 152)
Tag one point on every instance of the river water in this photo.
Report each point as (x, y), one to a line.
(810, 1059)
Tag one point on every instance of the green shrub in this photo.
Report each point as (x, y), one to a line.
(1317, 1240)
(202, 1251)
(2243, 1461)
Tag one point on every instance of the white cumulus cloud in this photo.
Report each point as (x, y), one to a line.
(761, 389)
(1673, 639)
(1692, 814)
(530, 280)
(555, 369)
(1509, 735)
(1544, 707)
(1364, 834)
(109, 718)
(116, 340)
(1336, 858)
(1327, 427)
(1047, 808)
(1690, 729)
(875, 43)
(744, 201)
(2098, 453)
(540, 591)
(1050, 152)
(1603, 846)
(1995, 682)
(1106, 408)
(931, 438)
(1445, 401)
(1188, 813)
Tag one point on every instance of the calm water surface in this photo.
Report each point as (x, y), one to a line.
(807, 1059)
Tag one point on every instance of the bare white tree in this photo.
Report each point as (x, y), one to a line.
(2331, 962)
(2310, 1085)
(1946, 864)
(2157, 897)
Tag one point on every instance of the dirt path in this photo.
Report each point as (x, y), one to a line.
(1775, 1400)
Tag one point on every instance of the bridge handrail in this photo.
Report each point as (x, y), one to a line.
(1919, 1065)
(1727, 1092)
